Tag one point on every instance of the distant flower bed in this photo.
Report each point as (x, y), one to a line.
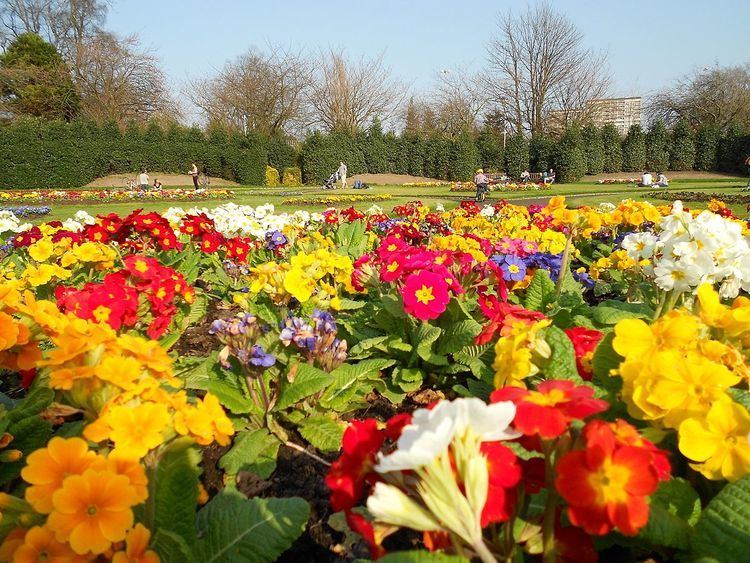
(513, 186)
(27, 210)
(619, 181)
(334, 199)
(426, 184)
(698, 196)
(174, 194)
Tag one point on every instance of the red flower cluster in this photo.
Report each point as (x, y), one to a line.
(584, 341)
(502, 315)
(607, 481)
(549, 410)
(117, 298)
(27, 238)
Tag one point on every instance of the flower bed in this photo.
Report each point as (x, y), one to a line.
(497, 381)
(699, 196)
(74, 196)
(335, 199)
(619, 181)
(435, 184)
(511, 186)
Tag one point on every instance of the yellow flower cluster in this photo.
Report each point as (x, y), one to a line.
(618, 260)
(518, 351)
(317, 275)
(677, 373)
(78, 507)
(457, 243)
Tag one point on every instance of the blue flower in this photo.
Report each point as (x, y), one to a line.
(514, 268)
(584, 279)
(275, 239)
(258, 357)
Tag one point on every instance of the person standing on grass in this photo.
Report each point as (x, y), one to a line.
(143, 180)
(342, 174)
(194, 173)
(481, 181)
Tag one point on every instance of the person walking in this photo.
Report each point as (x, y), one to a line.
(194, 173)
(481, 181)
(342, 175)
(143, 180)
(747, 165)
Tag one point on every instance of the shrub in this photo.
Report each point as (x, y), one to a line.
(490, 147)
(682, 147)
(706, 148)
(516, 155)
(321, 155)
(281, 152)
(464, 159)
(571, 161)
(612, 143)
(272, 176)
(634, 150)
(730, 149)
(542, 151)
(657, 147)
(593, 149)
(291, 176)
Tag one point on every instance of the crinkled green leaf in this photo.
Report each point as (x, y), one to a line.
(562, 361)
(723, 529)
(254, 451)
(457, 336)
(307, 381)
(612, 312)
(323, 432)
(540, 292)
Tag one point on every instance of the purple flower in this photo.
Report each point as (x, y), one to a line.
(258, 357)
(513, 268)
(275, 239)
(324, 321)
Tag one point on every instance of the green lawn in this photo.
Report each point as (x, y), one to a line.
(583, 193)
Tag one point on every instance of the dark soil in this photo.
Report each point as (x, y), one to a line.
(196, 341)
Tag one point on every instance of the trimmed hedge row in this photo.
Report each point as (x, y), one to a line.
(55, 154)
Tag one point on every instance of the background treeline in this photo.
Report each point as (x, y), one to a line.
(37, 153)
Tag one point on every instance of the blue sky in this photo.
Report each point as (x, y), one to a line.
(649, 42)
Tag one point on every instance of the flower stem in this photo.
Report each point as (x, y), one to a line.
(482, 552)
(304, 451)
(564, 264)
(550, 507)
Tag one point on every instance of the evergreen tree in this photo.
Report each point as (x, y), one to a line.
(490, 146)
(464, 158)
(34, 80)
(612, 143)
(571, 160)
(542, 151)
(682, 147)
(634, 150)
(706, 148)
(516, 155)
(375, 149)
(730, 147)
(593, 148)
(657, 147)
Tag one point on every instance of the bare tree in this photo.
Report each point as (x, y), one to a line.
(119, 81)
(539, 60)
(715, 96)
(459, 100)
(64, 23)
(260, 91)
(348, 94)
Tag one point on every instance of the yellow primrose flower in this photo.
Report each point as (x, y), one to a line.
(634, 338)
(41, 250)
(718, 441)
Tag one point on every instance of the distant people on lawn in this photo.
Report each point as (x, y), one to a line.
(647, 180)
(661, 180)
(157, 184)
(143, 180)
(342, 175)
(525, 176)
(481, 180)
(194, 173)
(548, 177)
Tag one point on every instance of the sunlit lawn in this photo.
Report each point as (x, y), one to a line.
(583, 193)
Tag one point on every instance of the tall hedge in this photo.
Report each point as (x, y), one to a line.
(55, 154)
(731, 149)
(612, 143)
(490, 146)
(516, 155)
(682, 147)
(634, 150)
(657, 147)
(706, 148)
(571, 160)
(593, 149)
(281, 152)
(464, 159)
(542, 152)
(322, 154)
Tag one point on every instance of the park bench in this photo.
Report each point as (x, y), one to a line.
(535, 177)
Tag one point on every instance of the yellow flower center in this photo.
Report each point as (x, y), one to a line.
(551, 399)
(610, 482)
(101, 313)
(141, 266)
(424, 295)
(392, 267)
(513, 269)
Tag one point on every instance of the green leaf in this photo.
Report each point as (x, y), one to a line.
(361, 348)
(254, 451)
(723, 529)
(175, 490)
(674, 506)
(323, 432)
(421, 557)
(540, 292)
(562, 362)
(171, 547)
(196, 314)
(351, 382)
(29, 434)
(196, 371)
(423, 338)
(235, 529)
(38, 399)
(307, 381)
(264, 312)
(612, 312)
(742, 396)
(605, 359)
(408, 379)
(457, 336)
(228, 389)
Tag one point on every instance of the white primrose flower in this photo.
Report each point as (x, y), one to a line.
(432, 431)
(639, 245)
(390, 505)
(487, 211)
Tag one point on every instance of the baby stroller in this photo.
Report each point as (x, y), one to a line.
(330, 183)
